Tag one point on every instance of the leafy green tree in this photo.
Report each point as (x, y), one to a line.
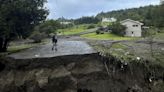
(87, 20)
(91, 26)
(18, 18)
(37, 37)
(49, 26)
(158, 16)
(149, 15)
(118, 29)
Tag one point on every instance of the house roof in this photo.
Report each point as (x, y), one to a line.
(131, 21)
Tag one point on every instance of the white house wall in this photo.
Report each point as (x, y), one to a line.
(109, 20)
(137, 31)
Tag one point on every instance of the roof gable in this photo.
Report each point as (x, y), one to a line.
(127, 20)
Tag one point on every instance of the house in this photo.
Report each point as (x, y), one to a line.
(133, 28)
(109, 20)
(65, 23)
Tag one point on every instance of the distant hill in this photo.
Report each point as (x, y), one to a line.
(64, 20)
(134, 13)
(150, 15)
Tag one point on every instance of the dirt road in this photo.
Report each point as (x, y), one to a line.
(64, 47)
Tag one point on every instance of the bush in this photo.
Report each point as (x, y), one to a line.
(100, 31)
(49, 26)
(149, 32)
(161, 30)
(118, 29)
(37, 37)
(91, 26)
(97, 31)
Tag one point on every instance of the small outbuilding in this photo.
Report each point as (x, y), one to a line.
(109, 20)
(133, 28)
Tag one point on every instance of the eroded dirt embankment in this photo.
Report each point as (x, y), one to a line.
(80, 73)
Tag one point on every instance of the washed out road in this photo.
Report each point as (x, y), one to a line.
(63, 47)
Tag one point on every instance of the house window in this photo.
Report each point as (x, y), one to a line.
(135, 25)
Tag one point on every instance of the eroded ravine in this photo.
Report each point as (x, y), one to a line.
(79, 73)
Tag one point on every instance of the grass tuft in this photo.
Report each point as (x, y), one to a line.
(107, 36)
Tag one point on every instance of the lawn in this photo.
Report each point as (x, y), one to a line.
(72, 30)
(159, 36)
(105, 23)
(13, 48)
(106, 36)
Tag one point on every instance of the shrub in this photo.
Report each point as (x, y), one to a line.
(100, 31)
(118, 29)
(91, 26)
(49, 26)
(97, 31)
(37, 37)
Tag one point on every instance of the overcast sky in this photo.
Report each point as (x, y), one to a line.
(78, 8)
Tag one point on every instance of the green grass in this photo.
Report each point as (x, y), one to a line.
(73, 30)
(106, 36)
(160, 36)
(117, 50)
(119, 46)
(17, 48)
(104, 24)
(14, 49)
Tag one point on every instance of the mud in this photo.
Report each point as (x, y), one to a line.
(63, 48)
(79, 73)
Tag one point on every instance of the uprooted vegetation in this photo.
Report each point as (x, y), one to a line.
(80, 73)
(132, 50)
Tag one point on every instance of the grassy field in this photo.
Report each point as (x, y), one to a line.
(13, 48)
(159, 36)
(72, 30)
(105, 23)
(106, 36)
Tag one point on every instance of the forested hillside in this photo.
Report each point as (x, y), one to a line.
(150, 15)
(87, 20)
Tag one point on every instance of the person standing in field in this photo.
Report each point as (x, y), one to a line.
(54, 42)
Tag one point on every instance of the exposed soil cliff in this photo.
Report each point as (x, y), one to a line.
(80, 73)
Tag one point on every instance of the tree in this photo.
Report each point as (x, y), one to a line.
(37, 37)
(117, 29)
(91, 26)
(149, 15)
(18, 18)
(49, 26)
(150, 34)
(87, 20)
(158, 16)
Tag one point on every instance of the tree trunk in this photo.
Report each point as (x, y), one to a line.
(3, 44)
